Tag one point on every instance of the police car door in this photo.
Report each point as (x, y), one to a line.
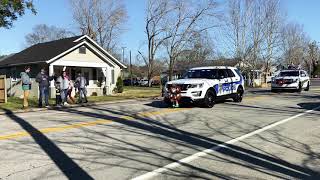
(223, 82)
(304, 79)
(233, 80)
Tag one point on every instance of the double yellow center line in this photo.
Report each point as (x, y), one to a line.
(100, 121)
(86, 124)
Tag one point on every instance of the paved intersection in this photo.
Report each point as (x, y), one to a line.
(128, 140)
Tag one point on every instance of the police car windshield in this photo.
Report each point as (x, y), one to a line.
(289, 73)
(202, 74)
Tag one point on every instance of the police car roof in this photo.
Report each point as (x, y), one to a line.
(213, 67)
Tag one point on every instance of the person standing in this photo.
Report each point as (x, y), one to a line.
(57, 84)
(64, 88)
(43, 79)
(26, 86)
(69, 94)
(81, 83)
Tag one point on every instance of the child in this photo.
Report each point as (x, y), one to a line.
(69, 93)
(58, 91)
(175, 95)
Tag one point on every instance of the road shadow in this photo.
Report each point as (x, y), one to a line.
(310, 106)
(258, 91)
(255, 160)
(66, 165)
(162, 104)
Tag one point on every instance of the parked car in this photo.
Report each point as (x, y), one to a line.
(143, 82)
(297, 80)
(127, 82)
(205, 85)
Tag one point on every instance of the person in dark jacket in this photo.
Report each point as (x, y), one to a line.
(81, 84)
(26, 86)
(44, 81)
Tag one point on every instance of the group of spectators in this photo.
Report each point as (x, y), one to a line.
(63, 86)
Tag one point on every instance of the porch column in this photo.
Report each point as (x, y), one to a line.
(52, 88)
(51, 72)
(106, 78)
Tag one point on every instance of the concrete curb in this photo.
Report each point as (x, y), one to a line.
(77, 105)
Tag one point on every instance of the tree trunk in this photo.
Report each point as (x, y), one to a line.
(171, 66)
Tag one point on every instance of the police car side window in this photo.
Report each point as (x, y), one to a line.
(222, 73)
(230, 73)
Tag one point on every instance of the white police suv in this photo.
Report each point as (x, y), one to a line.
(204, 85)
(291, 80)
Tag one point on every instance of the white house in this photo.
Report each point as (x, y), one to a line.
(75, 54)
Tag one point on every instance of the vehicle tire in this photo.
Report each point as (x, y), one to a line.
(209, 99)
(300, 87)
(308, 87)
(274, 90)
(239, 95)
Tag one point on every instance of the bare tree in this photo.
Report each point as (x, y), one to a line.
(239, 17)
(102, 20)
(43, 33)
(294, 43)
(313, 57)
(186, 20)
(271, 32)
(156, 13)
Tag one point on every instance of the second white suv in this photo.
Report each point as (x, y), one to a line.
(204, 85)
(291, 80)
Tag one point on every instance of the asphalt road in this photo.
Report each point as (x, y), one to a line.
(267, 136)
(315, 82)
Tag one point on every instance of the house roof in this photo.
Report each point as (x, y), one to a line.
(43, 52)
(40, 52)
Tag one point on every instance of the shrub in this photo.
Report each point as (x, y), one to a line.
(119, 85)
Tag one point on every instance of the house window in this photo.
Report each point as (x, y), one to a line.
(82, 50)
(86, 75)
(94, 74)
(112, 76)
(73, 74)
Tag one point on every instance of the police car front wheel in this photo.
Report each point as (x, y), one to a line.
(239, 95)
(209, 99)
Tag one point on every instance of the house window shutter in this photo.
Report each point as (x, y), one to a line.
(112, 76)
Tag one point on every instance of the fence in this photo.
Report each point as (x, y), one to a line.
(3, 89)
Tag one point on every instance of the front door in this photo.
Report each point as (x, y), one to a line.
(86, 74)
(224, 84)
(304, 79)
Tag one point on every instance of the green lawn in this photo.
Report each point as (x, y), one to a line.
(15, 103)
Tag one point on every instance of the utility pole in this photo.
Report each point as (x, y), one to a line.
(130, 66)
(123, 47)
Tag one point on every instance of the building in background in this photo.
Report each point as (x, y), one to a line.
(75, 54)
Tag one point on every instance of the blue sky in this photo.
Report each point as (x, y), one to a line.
(58, 13)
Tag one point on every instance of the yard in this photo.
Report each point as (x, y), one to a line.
(15, 103)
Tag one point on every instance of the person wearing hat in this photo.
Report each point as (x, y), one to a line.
(26, 85)
(44, 81)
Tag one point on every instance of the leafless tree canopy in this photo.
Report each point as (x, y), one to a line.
(43, 33)
(171, 26)
(294, 43)
(102, 20)
(156, 12)
(186, 20)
